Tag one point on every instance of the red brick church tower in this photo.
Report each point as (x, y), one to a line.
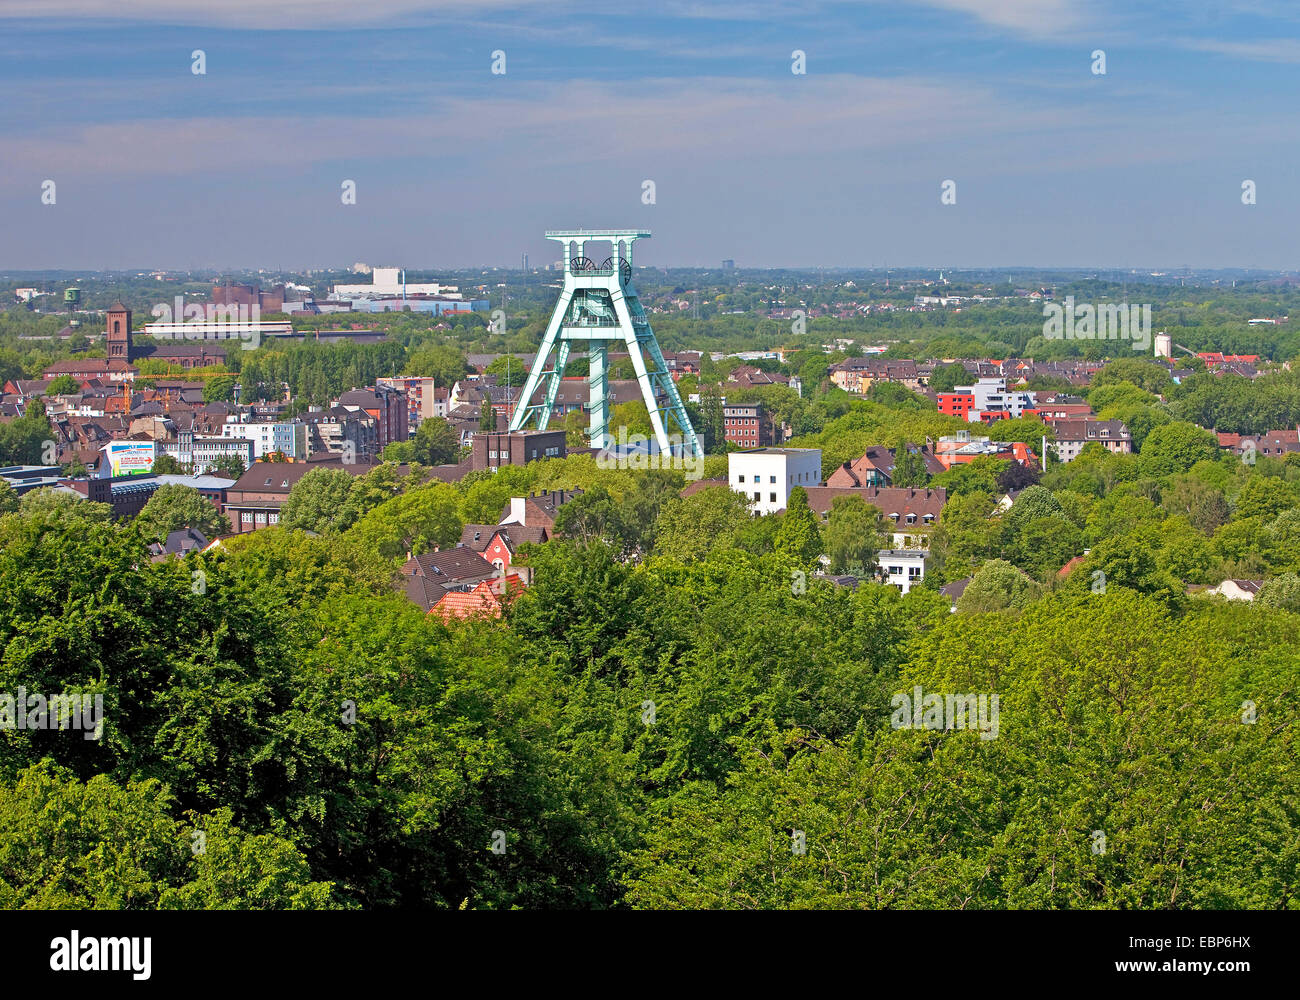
(119, 333)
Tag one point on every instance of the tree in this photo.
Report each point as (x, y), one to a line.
(909, 467)
(946, 378)
(445, 365)
(168, 465)
(1034, 503)
(1016, 476)
(65, 844)
(220, 389)
(853, 535)
(399, 452)
(417, 521)
(8, 498)
(228, 467)
(487, 417)
(321, 501)
(592, 517)
(29, 440)
(48, 502)
(575, 429)
(508, 369)
(173, 507)
(979, 476)
(997, 586)
(1265, 497)
(1282, 592)
(1175, 447)
(798, 536)
(436, 442)
(63, 385)
(690, 527)
(1146, 375)
(714, 430)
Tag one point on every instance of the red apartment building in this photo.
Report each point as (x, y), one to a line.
(744, 424)
(956, 404)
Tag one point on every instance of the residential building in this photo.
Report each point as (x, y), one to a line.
(389, 408)
(485, 600)
(745, 424)
(960, 448)
(765, 476)
(353, 435)
(202, 453)
(1073, 435)
(494, 449)
(421, 399)
(284, 437)
(451, 569)
(910, 513)
(876, 467)
(988, 399)
(1270, 444)
(902, 568)
(498, 543)
(537, 510)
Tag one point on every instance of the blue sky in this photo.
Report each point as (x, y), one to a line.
(456, 166)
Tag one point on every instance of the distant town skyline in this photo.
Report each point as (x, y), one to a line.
(457, 166)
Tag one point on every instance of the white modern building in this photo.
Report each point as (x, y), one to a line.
(202, 453)
(390, 282)
(993, 396)
(269, 437)
(765, 476)
(902, 568)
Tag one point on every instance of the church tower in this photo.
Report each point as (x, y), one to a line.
(119, 333)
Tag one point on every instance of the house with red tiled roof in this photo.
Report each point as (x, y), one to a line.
(1271, 444)
(487, 600)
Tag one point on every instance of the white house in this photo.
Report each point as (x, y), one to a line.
(903, 568)
(765, 476)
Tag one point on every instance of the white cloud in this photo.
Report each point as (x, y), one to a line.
(713, 118)
(1027, 17)
(1277, 50)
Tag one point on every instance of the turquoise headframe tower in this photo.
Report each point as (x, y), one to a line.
(598, 307)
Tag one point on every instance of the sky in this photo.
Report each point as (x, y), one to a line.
(454, 165)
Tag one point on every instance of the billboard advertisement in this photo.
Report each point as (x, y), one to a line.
(128, 458)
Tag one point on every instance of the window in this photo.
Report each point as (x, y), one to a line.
(758, 496)
(742, 478)
(773, 496)
(246, 517)
(773, 478)
(274, 519)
